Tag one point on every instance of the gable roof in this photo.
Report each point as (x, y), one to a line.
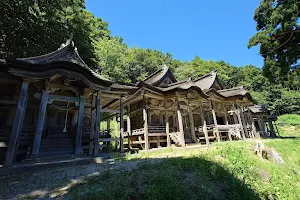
(235, 91)
(65, 61)
(157, 77)
(207, 81)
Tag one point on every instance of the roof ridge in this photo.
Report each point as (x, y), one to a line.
(205, 75)
(63, 47)
(233, 88)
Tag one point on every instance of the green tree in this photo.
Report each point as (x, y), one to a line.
(31, 27)
(111, 55)
(279, 37)
(143, 62)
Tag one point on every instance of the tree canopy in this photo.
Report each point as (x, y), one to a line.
(279, 37)
(31, 28)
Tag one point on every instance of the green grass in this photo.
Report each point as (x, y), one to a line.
(289, 125)
(228, 170)
(290, 119)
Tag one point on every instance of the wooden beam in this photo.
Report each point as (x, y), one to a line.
(121, 125)
(39, 126)
(113, 96)
(110, 111)
(78, 149)
(243, 122)
(154, 96)
(63, 98)
(17, 125)
(97, 131)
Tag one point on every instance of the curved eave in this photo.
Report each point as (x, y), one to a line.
(191, 88)
(214, 92)
(68, 69)
(167, 73)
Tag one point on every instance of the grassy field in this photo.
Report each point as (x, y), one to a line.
(224, 171)
(227, 170)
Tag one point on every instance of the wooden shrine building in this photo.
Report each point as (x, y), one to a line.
(51, 105)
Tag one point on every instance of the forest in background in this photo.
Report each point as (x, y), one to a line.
(31, 28)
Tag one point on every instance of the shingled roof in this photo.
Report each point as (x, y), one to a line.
(158, 76)
(207, 81)
(235, 91)
(63, 61)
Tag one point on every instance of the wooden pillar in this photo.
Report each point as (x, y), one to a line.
(128, 126)
(97, 126)
(78, 149)
(145, 118)
(240, 122)
(93, 120)
(215, 122)
(272, 131)
(225, 114)
(204, 126)
(252, 124)
(243, 122)
(192, 124)
(17, 125)
(180, 124)
(167, 129)
(121, 125)
(39, 125)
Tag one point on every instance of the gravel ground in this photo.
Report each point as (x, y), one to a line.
(55, 183)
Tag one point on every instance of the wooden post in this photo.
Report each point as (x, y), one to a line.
(243, 121)
(180, 124)
(93, 120)
(78, 149)
(121, 125)
(225, 114)
(167, 129)
(204, 126)
(215, 122)
(128, 126)
(145, 117)
(272, 131)
(97, 131)
(252, 124)
(39, 125)
(192, 124)
(240, 122)
(17, 125)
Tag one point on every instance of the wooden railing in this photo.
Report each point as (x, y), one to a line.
(156, 129)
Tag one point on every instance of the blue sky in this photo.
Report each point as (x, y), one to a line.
(212, 29)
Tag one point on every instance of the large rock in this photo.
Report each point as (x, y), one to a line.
(267, 153)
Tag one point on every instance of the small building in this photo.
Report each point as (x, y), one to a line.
(52, 105)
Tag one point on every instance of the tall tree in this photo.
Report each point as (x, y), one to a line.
(31, 27)
(111, 55)
(279, 37)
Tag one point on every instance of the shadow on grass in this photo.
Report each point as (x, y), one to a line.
(159, 178)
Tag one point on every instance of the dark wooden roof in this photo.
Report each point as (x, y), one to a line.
(65, 61)
(233, 91)
(207, 81)
(157, 77)
(257, 109)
